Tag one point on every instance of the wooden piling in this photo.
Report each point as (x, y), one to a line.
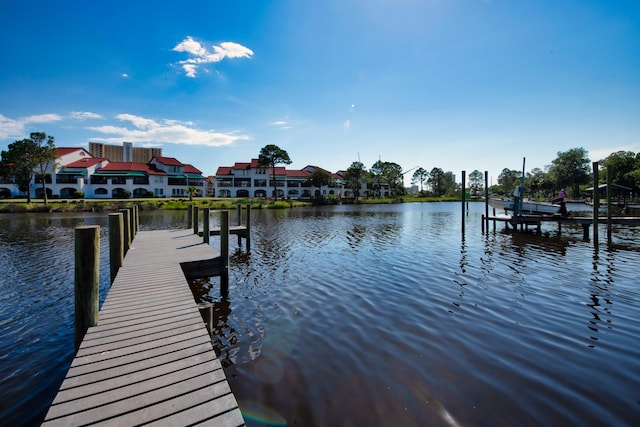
(462, 196)
(609, 240)
(132, 218)
(248, 225)
(116, 243)
(86, 280)
(596, 203)
(206, 311)
(224, 252)
(127, 229)
(189, 216)
(196, 219)
(205, 225)
(486, 198)
(224, 237)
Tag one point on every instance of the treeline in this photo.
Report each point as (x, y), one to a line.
(572, 171)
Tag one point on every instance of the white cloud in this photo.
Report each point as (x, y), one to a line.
(200, 55)
(149, 131)
(42, 118)
(84, 115)
(17, 128)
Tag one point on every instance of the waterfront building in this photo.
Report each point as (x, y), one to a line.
(250, 179)
(77, 173)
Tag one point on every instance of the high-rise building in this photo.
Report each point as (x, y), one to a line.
(125, 153)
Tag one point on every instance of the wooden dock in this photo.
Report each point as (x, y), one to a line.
(150, 359)
(537, 220)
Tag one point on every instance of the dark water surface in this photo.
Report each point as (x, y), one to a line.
(369, 315)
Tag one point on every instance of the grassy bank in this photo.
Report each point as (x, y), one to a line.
(112, 205)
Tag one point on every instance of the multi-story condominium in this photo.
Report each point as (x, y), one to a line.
(250, 179)
(125, 153)
(77, 172)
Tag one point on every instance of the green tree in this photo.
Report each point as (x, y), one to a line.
(272, 155)
(192, 190)
(376, 174)
(420, 176)
(570, 169)
(392, 175)
(509, 179)
(47, 154)
(539, 181)
(450, 187)
(24, 157)
(623, 166)
(436, 181)
(354, 176)
(318, 178)
(476, 182)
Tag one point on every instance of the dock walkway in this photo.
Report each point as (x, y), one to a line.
(150, 359)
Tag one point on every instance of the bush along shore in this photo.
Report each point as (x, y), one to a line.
(110, 205)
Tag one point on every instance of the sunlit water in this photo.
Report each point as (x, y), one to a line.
(369, 315)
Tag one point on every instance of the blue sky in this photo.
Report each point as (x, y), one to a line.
(454, 84)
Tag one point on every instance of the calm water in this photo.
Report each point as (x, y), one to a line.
(369, 315)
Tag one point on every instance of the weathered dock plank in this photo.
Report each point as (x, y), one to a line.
(150, 359)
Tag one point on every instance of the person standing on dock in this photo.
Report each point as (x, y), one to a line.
(560, 199)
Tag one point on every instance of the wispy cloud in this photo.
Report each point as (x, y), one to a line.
(18, 128)
(201, 55)
(84, 115)
(150, 131)
(282, 124)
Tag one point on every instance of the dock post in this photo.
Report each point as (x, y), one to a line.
(132, 218)
(205, 225)
(486, 198)
(206, 311)
(116, 243)
(127, 229)
(608, 206)
(239, 211)
(86, 279)
(224, 252)
(136, 217)
(596, 203)
(462, 196)
(248, 225)
(196, 225)
(189, 216)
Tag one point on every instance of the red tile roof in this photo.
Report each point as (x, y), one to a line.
(84, 163)
(130, 167)
(169, 161)
(297, 174)
(223, 170)
(61, 151)
(191, 169)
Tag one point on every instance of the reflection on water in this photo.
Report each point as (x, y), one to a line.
(371, 315)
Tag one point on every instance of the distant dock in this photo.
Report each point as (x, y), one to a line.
(150, 359)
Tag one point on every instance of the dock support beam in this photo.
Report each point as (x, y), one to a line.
(205, 225)
(127, 228)
(206, 311)
(86, 279)
(116, 243)
(196, 218)
(596, 203)
(248, 225)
